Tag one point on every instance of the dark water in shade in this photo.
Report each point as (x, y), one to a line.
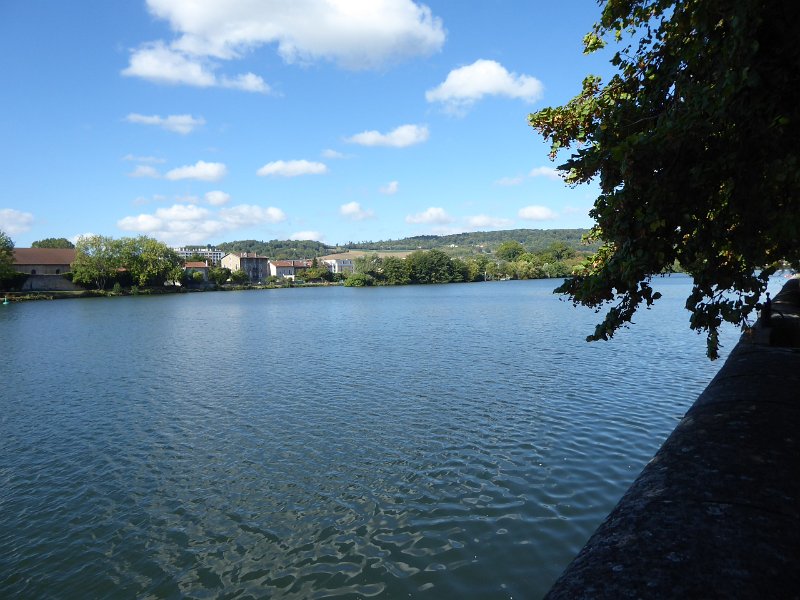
(456, 441)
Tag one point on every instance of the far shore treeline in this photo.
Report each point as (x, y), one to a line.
(144, 265)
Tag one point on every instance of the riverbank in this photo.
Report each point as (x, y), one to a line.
(716, 512)
(154, 291)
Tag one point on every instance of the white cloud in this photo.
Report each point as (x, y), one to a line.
(189, 223)
(333, 154)
(247, 82)
(183, 212)
(140, 223)
(292, 168)
(307, 235)
(248, 214)
(509, 181)
(76, 238)
(217, 198)
(160, 64)
(536, 213)
(201, 170)
(433, 215)
(390, 189)
(405, 135)
(356, 35)
(548, 172)
(354, 212)
(466, 85)
(164, 64)
(479, 221)
(177, 123)
(15, 221)
(145, 171)
(144, 159)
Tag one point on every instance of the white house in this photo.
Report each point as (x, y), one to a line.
(339, 265)
(213, 255)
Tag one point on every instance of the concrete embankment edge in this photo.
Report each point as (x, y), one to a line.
(716, 512)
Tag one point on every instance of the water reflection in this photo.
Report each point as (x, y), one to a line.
(455, 441)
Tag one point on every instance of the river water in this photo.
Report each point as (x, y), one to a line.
(453, 441)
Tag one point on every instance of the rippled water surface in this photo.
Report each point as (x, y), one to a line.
(457, 441)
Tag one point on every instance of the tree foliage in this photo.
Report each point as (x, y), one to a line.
(53, 243)
(97, 259)
(532, 239)
(240, 276)
(280, 249)
(147, 262)
(694, 144)
(509, 250)
(219, 275)
(6, 255)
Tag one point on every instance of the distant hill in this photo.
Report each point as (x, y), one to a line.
(282, 249)
(534, 240)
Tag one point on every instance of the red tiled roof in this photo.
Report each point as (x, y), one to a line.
(43, 256)
(194, 264)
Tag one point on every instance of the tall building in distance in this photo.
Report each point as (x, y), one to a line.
(212, 255)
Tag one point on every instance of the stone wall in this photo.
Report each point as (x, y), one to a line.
(49, 283)
(716, 512)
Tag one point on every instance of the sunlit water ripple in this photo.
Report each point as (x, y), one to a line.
(456, 441)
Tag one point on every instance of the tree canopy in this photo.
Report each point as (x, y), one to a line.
(53, 243)
(6, 255)
(694, 145)
(510, 250)
(98, 259)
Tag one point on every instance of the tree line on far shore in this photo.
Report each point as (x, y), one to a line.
(511, 260)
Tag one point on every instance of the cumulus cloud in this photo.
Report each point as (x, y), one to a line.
(536, 213)
(355, 35)
(189, 223)
(333, 154)
(405, 135)
(548, 172)
(177, 123)
(307, 235)
(390, 189)
(141, 223)
(160, 63)
(483, 221)
(217, 198)
(246, 82)
(14, 221)
(466, 85)
(145, 171)
(201, 170)
(248, 214)
(433, 215)
(292, 168)
(354, 212)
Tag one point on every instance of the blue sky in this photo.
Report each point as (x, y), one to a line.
(337, 120)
